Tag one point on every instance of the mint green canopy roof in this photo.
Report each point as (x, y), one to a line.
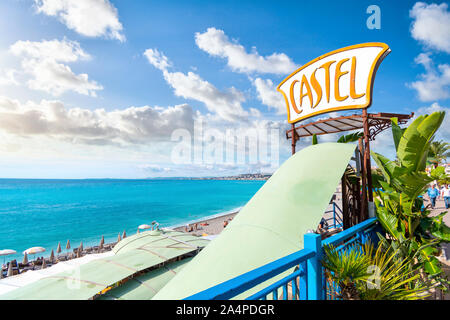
(133, 254)
(272, 223)
(146, 286)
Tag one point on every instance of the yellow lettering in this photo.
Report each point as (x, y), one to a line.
(326, 67)
(337, 76)
(292, 97)
(308, 93)
(353, 93)
(317, 88)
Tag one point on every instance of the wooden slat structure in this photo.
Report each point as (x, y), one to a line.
(371, 125)
(377, 123)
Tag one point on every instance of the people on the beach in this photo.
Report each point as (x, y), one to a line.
(445, 194)
(433, 193)
(225, 223)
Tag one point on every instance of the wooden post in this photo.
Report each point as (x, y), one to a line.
(367, 165)
(294, 138)
(364, 204)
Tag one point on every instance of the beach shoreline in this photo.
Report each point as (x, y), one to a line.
(215, 224)
(207, 218)
(214, 227)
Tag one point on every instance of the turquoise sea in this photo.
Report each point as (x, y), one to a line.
(45, 212)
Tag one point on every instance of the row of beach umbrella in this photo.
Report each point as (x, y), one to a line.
(35, 250)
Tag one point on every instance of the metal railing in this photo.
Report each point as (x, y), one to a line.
(336, 218)
(305, 282)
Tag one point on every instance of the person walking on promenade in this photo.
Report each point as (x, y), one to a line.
(445, 194)
(433, 193)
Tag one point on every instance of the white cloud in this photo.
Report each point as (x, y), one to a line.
(8, 77)
(216, 43)
(155, 169)
(435, 83)
(42, 61)
(269, 96)
(92, 18)
(62, 51)
(133, 125)
(157, 59)
(431, 25)
(224, 104)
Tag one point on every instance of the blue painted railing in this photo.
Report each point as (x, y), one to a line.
(336, 218)
(306, 282)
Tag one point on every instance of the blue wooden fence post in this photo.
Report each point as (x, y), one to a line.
(303, 282)
(334, 214)
(313, 242)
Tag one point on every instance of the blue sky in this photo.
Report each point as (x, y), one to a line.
(87, 126)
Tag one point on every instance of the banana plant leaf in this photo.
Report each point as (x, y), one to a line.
(413, 184)
(432, 265)
(351, 137)
(388, 168)
(438, 173)
(397, 132)
(389, 222)
(438, 227)
(414, 144)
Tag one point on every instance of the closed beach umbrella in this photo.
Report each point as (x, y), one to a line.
(80, 248)
(68, 245)
(25, 258)
(124, 235)
(52, 256)
(10, 270)
(118, 238)
(58, 249)
(102, 242)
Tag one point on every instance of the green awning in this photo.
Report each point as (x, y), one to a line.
(272, 223)
(133, 254)
(146, 286)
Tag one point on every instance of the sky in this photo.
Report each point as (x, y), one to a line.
(119, 89)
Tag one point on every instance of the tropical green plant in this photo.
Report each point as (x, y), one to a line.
(439, 152)
(361, 272)
(400, 209)
(351, 137)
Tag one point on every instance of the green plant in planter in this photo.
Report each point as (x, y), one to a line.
(363, 273)
(400, 210)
